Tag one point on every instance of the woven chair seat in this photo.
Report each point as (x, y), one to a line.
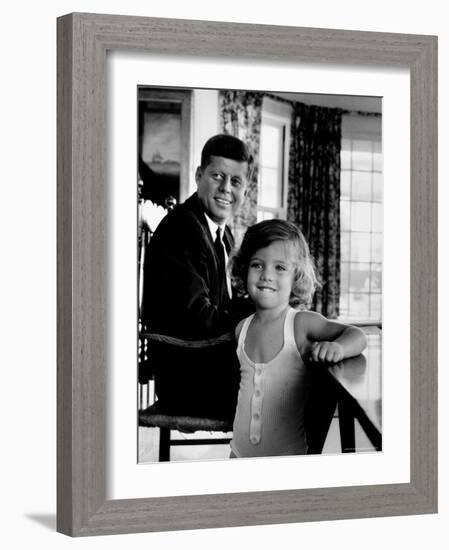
(152, 417)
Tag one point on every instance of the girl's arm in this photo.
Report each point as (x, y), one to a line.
(329, 340)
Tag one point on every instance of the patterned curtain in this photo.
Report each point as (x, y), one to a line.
(314, 195)
(241, 116)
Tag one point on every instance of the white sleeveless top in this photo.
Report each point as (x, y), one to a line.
(269, 419)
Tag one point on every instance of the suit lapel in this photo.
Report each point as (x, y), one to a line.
(228, 240)
(195, 206)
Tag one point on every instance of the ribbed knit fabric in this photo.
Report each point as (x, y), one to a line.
(269, 419)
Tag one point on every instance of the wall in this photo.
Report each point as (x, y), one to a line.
(28, 297)
(205, 125)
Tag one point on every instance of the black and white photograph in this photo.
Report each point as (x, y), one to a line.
(221, 309)
(260, 251)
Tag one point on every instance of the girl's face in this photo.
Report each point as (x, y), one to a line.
(271, 272)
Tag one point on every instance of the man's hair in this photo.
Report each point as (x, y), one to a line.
(263, 234)
(227, 146)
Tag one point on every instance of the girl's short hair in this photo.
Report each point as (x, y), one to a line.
(263, 234)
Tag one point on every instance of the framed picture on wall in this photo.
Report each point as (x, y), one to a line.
(163, 144)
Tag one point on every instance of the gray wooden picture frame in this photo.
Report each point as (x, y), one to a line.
(83, 40)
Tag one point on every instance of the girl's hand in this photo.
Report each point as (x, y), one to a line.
(327, 340)
(330, 352)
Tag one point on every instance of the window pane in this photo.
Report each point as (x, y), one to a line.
(376, 306)
(361, 186)
(345, 185)
(269, 188)
(360, 247)
(377, 217)
(361, 221)
(376, 247)
(359, 277)
(361, 216)
(376, 278)
(344, 305)
(344, 245)
(271, 138)
(264, 215)
(378, 187)
(345, 215)
(359, 306)
(377, 156)
(345, 154)
(362, 158)
(344, 277)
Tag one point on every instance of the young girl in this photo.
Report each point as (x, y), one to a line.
(274, 267)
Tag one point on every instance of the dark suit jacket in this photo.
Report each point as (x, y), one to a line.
(181, 298)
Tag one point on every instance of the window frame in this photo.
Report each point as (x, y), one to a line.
(276, 114)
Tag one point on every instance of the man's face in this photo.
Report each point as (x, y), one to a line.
(222, 187)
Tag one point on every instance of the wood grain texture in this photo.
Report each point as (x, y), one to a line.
(64, 277)
(83, 40)
(423, 274)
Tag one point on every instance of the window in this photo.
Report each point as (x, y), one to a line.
(273, 174)
(361, 212)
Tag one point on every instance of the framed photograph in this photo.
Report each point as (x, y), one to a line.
(119, 76)
(319, 166)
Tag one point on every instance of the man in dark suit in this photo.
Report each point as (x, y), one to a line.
(187, 293)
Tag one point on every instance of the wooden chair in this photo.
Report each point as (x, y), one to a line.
(151, 415)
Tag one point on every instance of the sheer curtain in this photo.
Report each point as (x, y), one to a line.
(314, 194)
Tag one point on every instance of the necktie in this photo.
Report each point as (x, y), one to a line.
(220, 251)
